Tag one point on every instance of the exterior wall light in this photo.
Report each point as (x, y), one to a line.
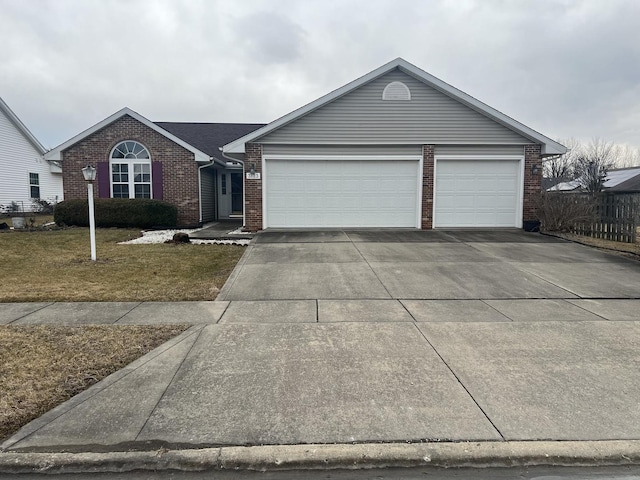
(252, 168)
(534, 169)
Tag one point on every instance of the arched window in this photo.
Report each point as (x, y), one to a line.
(396, 91)
(130, 166)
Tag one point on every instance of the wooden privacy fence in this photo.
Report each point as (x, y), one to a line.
(616, 217)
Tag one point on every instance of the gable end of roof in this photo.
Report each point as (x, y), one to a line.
(55, 154)
(22, 128)
(549, 146)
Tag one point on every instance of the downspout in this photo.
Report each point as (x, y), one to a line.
(244, 223)
(200, 185)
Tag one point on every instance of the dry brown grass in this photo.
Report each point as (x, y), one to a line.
(42, 366)
(55, 266)
(622, 247)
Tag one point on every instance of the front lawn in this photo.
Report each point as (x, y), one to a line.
(42, 366)
(56, 266)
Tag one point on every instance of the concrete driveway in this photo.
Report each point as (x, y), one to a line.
(341, 337)
(426, 265)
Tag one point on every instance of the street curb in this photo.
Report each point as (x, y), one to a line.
(335, 456)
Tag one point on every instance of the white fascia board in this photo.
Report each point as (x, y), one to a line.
(56, 153)
(21, 127)
(549, 146)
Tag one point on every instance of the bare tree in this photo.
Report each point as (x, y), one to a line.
(561, 167)
(627, 156)
(593, 164)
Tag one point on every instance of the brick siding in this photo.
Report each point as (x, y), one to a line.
(180, 171)
(532, 183)
(427, 186)
(253, 188)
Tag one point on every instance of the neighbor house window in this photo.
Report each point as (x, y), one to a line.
(130, 171)
(34, 185)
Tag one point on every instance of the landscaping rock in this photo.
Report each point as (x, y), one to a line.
(4, 226)
(180, 237)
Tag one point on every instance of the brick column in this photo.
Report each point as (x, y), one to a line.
(532, 183)
(253, 188)
(427, 187)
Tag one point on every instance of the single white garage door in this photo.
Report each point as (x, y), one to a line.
(341, 193)
(477, 193)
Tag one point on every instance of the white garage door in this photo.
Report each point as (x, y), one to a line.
(477, 193)
(339, 193)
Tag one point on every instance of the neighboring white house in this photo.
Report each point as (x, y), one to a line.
(26, 175)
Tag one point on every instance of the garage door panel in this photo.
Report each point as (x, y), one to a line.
(477, 193)
(314, 193)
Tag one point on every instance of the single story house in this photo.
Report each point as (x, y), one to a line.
(395, 148)
(26, 175)
(180, 163)
(621, 180)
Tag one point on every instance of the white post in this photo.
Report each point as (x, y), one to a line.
(92, 221)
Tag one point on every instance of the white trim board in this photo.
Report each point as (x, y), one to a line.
(341, 157)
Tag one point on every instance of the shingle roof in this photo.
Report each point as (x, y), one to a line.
(623, 179)
(209, 137)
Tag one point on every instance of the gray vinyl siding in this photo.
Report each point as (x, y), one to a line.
(479, 150)
(361, 116)
(208, 193)
(342, 149)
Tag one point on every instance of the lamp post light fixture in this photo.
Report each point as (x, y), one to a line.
(89, 174)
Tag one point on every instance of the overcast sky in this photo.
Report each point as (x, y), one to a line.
(564, 68)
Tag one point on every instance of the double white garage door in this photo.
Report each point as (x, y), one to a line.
(387, 193)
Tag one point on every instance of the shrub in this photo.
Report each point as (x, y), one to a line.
(117, 212)
(40, 205)
(561, 212)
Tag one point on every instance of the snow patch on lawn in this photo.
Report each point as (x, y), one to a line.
(161, 236)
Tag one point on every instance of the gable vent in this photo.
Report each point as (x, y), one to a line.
(396, 91)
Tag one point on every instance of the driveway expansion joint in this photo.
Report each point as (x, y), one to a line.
(169, 383)
(460, 382)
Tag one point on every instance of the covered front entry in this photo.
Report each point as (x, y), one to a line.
(344, 193)
(230, 193)
(478, 193)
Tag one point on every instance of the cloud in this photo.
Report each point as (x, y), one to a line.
(270, 38)
(565, 68)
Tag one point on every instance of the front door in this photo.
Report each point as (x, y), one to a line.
(236, 193)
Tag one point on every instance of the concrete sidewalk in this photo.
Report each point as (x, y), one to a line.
(318, 311)
(270, 379)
